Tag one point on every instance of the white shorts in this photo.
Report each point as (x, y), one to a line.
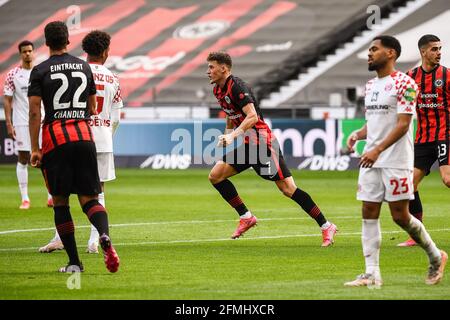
(105, 163)
(378, 184)
(23, 142)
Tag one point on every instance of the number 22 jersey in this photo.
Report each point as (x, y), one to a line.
(64, 83)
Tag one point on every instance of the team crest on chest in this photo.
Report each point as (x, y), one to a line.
(227, 99)
(438, 83)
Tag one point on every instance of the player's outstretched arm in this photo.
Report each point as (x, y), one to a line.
(34, 127)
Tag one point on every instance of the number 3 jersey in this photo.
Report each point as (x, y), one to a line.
(64, 83)
(108, 101)
(385, 98)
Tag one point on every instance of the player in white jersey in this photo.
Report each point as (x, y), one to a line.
(16, 104)
(388, 160)
(103, 125)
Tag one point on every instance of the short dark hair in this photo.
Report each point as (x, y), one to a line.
(391, 43)
(221, 57)
(25, 43)
(56, 35)
(95, 42)
(426, 39)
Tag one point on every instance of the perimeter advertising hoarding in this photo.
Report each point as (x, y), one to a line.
(8, 149)
(306, 144)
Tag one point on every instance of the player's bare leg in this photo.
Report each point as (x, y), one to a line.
(219, 179)
(437, 258)
(445, 175)
(371, 243)
(415, 206)
(98, 217)
(22, 178)
(288, 187)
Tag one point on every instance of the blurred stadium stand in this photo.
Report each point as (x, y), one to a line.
(159, 47)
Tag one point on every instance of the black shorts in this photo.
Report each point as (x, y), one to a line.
(72, 168)
(267, 161)
(425, 154)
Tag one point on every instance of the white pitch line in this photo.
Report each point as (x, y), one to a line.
(167, 223)
(227, 239)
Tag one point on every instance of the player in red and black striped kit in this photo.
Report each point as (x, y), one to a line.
(432, 140)
(259, 150)
(66, 87)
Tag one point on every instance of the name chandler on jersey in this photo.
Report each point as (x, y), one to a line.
(66, 66)
(70, 114)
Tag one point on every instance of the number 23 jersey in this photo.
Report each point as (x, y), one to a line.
(64, 83)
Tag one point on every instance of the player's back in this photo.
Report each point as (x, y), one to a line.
(108, 98)
(64, 83)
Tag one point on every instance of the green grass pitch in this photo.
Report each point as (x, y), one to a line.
(171, 230)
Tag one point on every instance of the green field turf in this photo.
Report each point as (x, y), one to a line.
(171, 230)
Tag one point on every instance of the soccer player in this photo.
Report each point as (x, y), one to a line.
(104, 124)
(259, 150)
(16, 103)
(433, 120)
(386, 172)
(65, 85)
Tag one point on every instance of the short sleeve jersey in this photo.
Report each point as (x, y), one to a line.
(433, 104)
(385, 98)
(16, 86)
(108, 98)
(64, 83)
(233, 97)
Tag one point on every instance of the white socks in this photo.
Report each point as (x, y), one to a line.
(247, 215)
(371, 242)
(22, 178)
(417, 231)
(325, 226)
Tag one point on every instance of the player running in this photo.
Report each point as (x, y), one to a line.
(66, 86)
(386, 172)
(109, 102)
(16, 116)
(433, 120)
(259, 150)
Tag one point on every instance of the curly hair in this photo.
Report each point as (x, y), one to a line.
(56, 35)
(95, 42)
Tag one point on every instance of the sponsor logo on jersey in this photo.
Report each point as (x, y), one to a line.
(374, 96)
(410, 94)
